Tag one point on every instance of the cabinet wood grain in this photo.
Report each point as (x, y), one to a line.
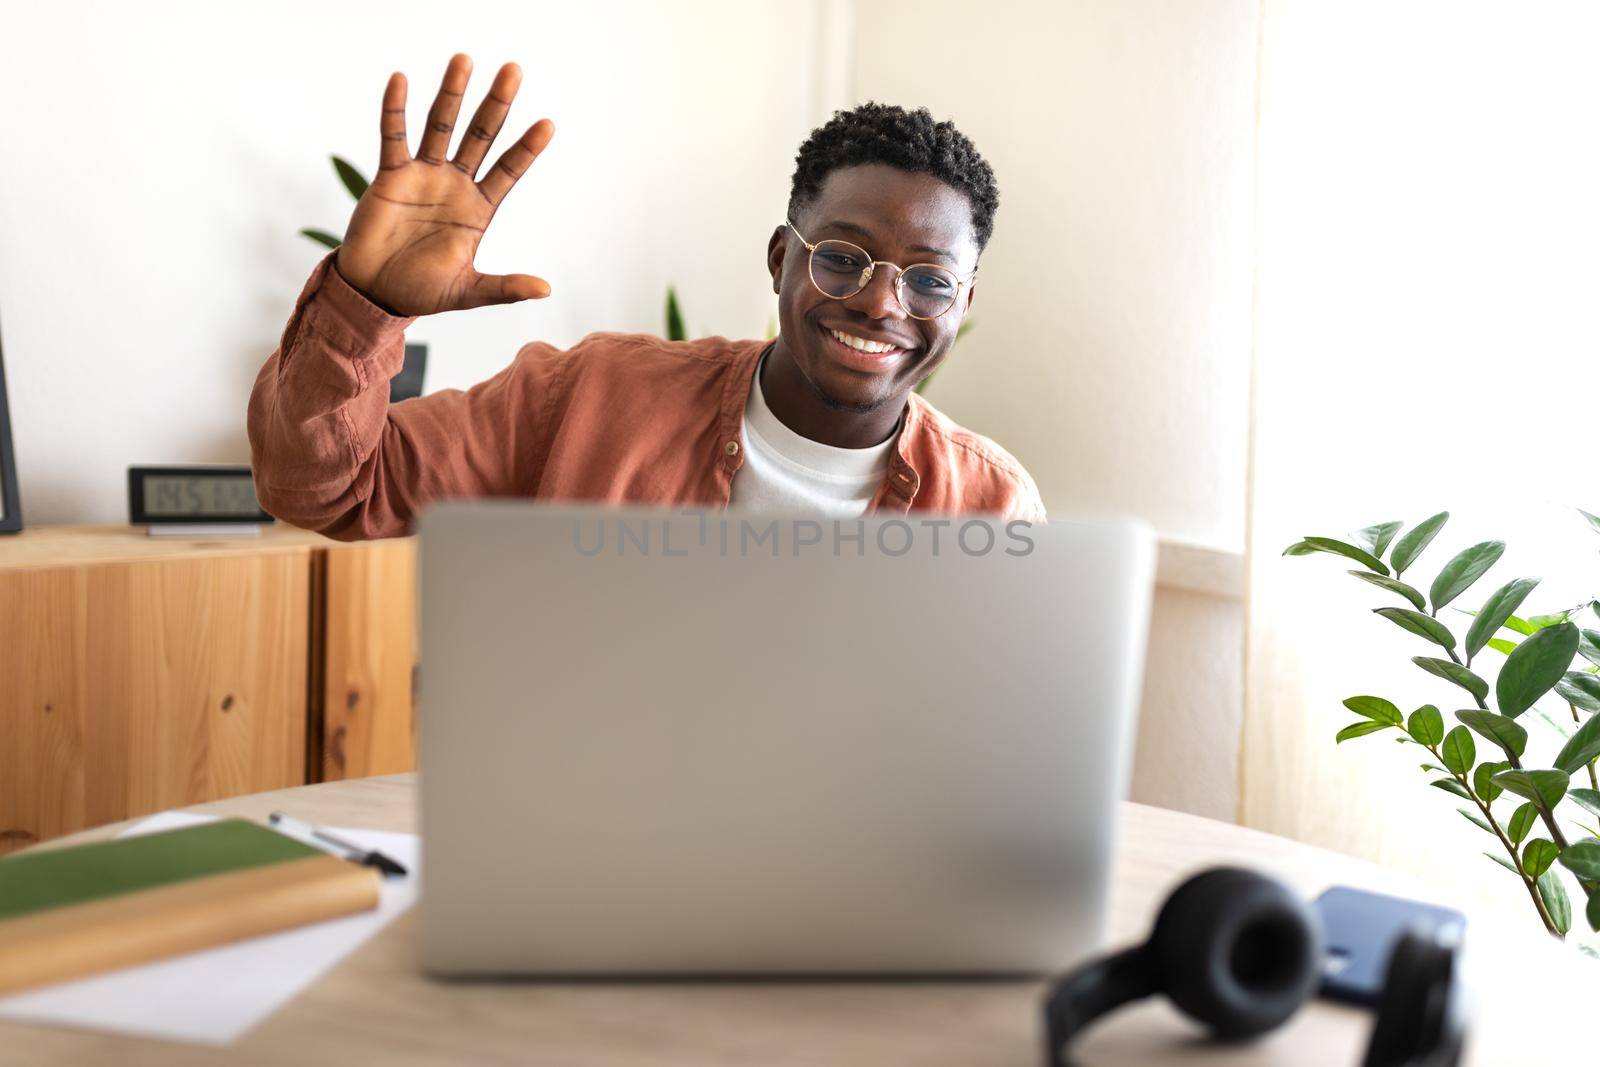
(139, 674)
(369, 634)
(131, 687)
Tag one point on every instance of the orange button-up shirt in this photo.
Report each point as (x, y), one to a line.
(617, 418)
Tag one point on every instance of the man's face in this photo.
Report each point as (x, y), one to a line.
(897, 216)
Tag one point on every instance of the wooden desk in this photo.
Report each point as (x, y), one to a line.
(377, 1007)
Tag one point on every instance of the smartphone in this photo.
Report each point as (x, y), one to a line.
(1360, 930)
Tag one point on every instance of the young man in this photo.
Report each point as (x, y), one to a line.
(874, 272)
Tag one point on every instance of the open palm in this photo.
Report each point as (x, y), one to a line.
(411, 242)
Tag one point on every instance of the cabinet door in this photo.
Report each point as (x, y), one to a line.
(42, 699)
(127, 688)
(369, 623)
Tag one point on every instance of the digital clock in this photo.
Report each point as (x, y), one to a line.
(193, 496)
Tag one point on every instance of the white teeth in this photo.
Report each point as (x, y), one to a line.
(861, 344)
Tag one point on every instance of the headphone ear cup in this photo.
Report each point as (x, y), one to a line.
(1237, 951)
(1421, 1021)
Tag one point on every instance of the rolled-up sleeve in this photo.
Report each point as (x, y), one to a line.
(329, 452)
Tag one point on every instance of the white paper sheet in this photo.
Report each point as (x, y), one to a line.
(212, 997)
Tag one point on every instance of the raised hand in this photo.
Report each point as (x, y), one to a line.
(412, 239)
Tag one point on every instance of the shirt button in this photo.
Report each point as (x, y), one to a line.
(731, 448)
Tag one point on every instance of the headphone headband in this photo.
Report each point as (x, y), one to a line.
(1090, 992)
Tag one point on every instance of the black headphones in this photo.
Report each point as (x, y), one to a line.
(1240, 953)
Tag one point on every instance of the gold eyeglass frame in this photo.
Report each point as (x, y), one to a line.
(871, 269)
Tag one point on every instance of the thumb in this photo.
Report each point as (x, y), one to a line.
(504, 289)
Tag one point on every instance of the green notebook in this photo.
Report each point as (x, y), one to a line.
(58, 877)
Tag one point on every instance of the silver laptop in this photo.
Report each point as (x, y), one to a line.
(666, 742)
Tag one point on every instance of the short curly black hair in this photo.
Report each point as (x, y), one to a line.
(910, 140)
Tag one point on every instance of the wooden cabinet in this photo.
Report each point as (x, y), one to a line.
(139, 673)
(369, 661)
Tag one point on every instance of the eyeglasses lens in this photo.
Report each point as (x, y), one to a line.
(841, 270)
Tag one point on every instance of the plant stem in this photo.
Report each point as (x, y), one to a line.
(1546, 816)
(1574, 709)
(1516, 861)
(1549, 817)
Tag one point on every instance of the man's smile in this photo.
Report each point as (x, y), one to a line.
(872, 355)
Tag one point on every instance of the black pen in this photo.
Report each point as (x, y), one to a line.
(353, 852)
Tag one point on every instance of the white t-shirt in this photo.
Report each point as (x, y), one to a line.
(784, 471)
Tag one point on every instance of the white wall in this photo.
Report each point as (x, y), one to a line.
(161, 156)
(1111, 343)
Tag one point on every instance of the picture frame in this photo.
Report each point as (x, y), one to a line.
(10, 504)
(408, 383)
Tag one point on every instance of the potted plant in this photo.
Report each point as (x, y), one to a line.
(1535, 792)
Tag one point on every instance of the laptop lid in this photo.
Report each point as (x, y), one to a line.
(711, 743)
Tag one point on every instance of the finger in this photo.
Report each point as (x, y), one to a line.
(516, 160)
(392, 150)
(488, 119)
(504, 289)
(442, 116)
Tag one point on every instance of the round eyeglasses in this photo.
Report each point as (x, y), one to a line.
(840, 270)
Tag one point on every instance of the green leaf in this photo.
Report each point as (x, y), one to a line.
(1450, 785)
(1377, 537)
(1545, 788)
(1432, 767)
(1375, 708)
(351, 177)
(1592, 912)
(1458, 751)
(1586, 798)
(322, 237)
(1341, 548)
(675, 330)
(1482, 780)
(1409, 547)
(1582, 858)
(1588, 642)
(1502, 646)
(1530, 626)
(1582, 747)
(1476, 821)
(1534, 668)
(1502, 861)
(1500, 606)
(1393, 586)
(1580, 689)
(1497, 728)
(1594, 521)
(1358, 729)
(1427, 726)
(1538, 855)
(1419, 624)
(1555, 900)
(1451, 671)
(1299, 548)
(1466, 567)
(1522, 821)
